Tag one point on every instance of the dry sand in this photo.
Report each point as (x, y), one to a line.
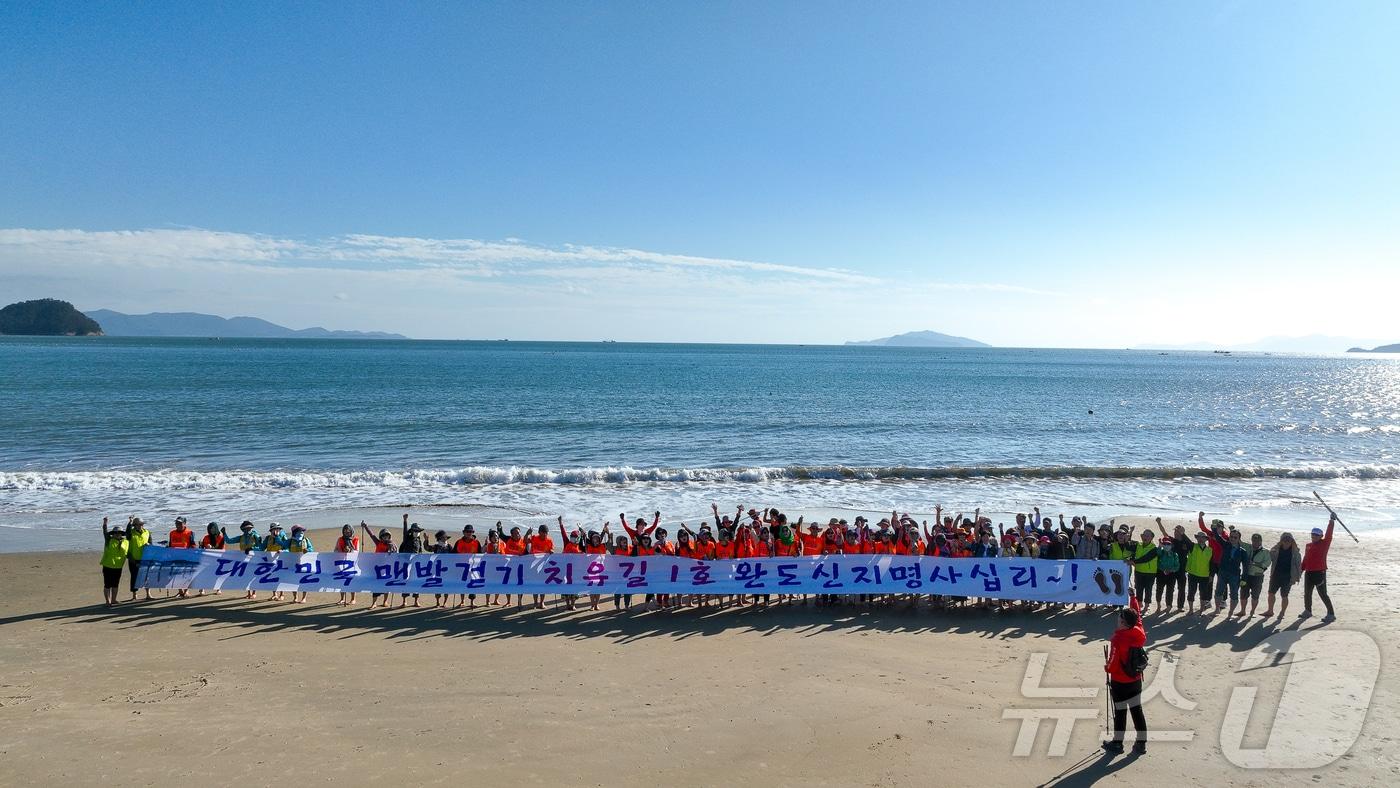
(223, 691)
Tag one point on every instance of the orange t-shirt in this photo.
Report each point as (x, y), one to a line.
(182, 538)
(787, 549)
(465, 545)
(645, 551)
(513, 546)
(212, 542)
(352, 547)
(595, 549)
(723, 550)
(811, 544)
(541, 544)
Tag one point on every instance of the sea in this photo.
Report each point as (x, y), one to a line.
(228, 429)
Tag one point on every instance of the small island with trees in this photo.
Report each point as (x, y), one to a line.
(47, 317)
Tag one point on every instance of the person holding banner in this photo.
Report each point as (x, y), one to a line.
(620, 547)
(114, 549)
(441, 545)
(181, 538)
(597, 545)
(541, 544)
(413, 542)
(468, 544)
(214, 538)
(495, 547)
(137, 537)
(383, 543)
(274, 542)
(347, 543)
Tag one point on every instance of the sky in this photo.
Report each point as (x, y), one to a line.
(1031, 174)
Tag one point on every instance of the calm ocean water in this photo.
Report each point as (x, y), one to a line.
(222, 428)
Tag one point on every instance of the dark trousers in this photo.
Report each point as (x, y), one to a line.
(1172, 585)
(1127, 698)
(1201, 585)
(133, 566)
(1142, 586)
(1315, 579)
(1210, 583)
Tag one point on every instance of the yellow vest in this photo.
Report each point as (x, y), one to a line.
(1147, 567)
(114, 553)
(136, 543)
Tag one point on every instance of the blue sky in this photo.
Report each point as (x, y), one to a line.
(1071, 174)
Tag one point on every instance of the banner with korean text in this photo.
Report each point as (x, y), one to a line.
(1092, 582)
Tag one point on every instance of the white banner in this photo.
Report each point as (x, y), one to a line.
(1094, 582)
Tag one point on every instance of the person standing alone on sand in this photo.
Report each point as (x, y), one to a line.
(1126, 660)
(114, 547)
(1315, 571)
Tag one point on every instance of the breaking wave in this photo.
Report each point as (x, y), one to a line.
(192, 481)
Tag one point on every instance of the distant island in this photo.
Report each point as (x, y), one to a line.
(47, 317)
(1382, 349)
(923, 339)
(193, 324)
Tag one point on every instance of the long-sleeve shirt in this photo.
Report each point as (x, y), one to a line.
(1119, 645)
(1315, 556)
(1214, 545)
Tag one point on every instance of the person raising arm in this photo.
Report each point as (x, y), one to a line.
(1315, 570)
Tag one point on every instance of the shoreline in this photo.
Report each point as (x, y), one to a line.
(324, 524)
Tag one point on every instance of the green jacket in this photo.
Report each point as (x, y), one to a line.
(1258, 561)
(1198, 560)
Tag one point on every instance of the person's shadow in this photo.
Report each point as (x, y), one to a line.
(1090, 769)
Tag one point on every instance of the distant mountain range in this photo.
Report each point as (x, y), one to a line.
(1382, 349)
(922, 339)
(1315, 343)
(193, 324)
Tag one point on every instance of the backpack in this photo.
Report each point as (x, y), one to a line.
(1168, 562)
(1136, 660)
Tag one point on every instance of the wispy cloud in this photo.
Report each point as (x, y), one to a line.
(468, 255)
(462, 287)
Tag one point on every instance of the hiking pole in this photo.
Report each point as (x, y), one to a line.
(1335, 517)
(1108, 699)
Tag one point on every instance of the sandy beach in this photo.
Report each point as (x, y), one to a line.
(234, 692)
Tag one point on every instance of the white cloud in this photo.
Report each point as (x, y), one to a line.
(461, 287)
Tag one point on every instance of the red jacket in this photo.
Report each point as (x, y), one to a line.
(1122, 640)
(1315, 555)
(1215, 544)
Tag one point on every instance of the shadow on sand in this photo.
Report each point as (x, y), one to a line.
(240, 617)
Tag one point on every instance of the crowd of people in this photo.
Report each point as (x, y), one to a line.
(1196, 573)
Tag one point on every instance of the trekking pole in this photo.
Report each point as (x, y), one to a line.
(1108, 699)
(1335, 517)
